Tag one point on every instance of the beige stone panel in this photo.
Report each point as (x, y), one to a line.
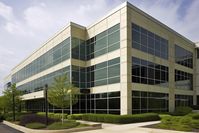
(78, 62)
(100, 27)
(183, 68)
(142, 55)
(149, 88)
(144, 22)
(45, 72)
(183, 92)
(78, 32)
(197, 64)
(123, 77)
(33, 95)
(100, 59)
(123, 44)
(123, 34)
(57, 39)
(105, 57)
(123, 21)
(91, 32)
(66, 33)
(113, 19)
(105, 88)
(123, 10)
(180, 42)
(194, 77)
(125, 99)
(171, 74)
(113, 54)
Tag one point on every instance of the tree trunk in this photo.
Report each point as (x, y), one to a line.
(62, 116)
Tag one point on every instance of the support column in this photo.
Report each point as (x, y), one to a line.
(171, 75)
(125, 64)
(195, 74)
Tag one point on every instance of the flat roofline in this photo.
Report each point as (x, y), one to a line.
(157, 21)
(108, 14)
(51, 38)
(142, 13)
(197, 44)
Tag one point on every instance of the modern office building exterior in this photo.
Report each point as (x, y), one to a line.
(129, 62)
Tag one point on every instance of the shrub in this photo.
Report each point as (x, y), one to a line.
(32, 118)
(181, 111)
(181, 123)
(123, 119)
(18, 115)
(35, 125)
(53, 115)
(75, 117)
(1, 117)
(65, 125)
(195, 124)
(195, 116)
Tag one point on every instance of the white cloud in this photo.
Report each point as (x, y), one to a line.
(38, 18)
(168, 13)
(6, 11)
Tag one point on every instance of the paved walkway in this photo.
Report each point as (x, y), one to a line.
(6, 129)
(130, 128)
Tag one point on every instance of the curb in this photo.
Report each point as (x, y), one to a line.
(28, 130)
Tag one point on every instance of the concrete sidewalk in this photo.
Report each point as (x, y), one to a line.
(131, 128)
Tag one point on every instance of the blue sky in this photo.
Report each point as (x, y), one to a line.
(26, 24)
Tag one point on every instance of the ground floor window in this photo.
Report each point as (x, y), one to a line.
(198, 97)
(183, 100)
(149, 102)
(106, 103)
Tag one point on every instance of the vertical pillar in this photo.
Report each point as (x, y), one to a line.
(195, 74)
(171, 75)
(125, 63)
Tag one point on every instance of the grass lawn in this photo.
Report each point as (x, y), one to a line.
(56, 125)
(188, 122)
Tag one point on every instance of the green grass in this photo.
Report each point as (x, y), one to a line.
(65, 125)
(179, 123)
(35, 125)
(82, 125)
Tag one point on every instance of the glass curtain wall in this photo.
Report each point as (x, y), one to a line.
(38, 84)
(57, 54)
(105, 42)
(149, 102)
(149, 42)
(183, 100)
(106, 103)
(146, 72)
(183, 80)
(183, 57)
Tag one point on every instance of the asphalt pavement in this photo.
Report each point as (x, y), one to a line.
(6, 129)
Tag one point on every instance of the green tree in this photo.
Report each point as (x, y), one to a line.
(62, 93)
(2, 104)
(12, 99)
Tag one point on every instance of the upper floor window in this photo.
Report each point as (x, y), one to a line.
(197, 53)
(149, 42)
(183, 57)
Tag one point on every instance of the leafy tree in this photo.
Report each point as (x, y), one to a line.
(60, 92)
(12, 99)
(2, 104)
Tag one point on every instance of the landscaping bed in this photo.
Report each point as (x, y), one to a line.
(182, 119)
(117, 119)
(37, 123)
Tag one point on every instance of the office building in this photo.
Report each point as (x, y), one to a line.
(128, 62)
